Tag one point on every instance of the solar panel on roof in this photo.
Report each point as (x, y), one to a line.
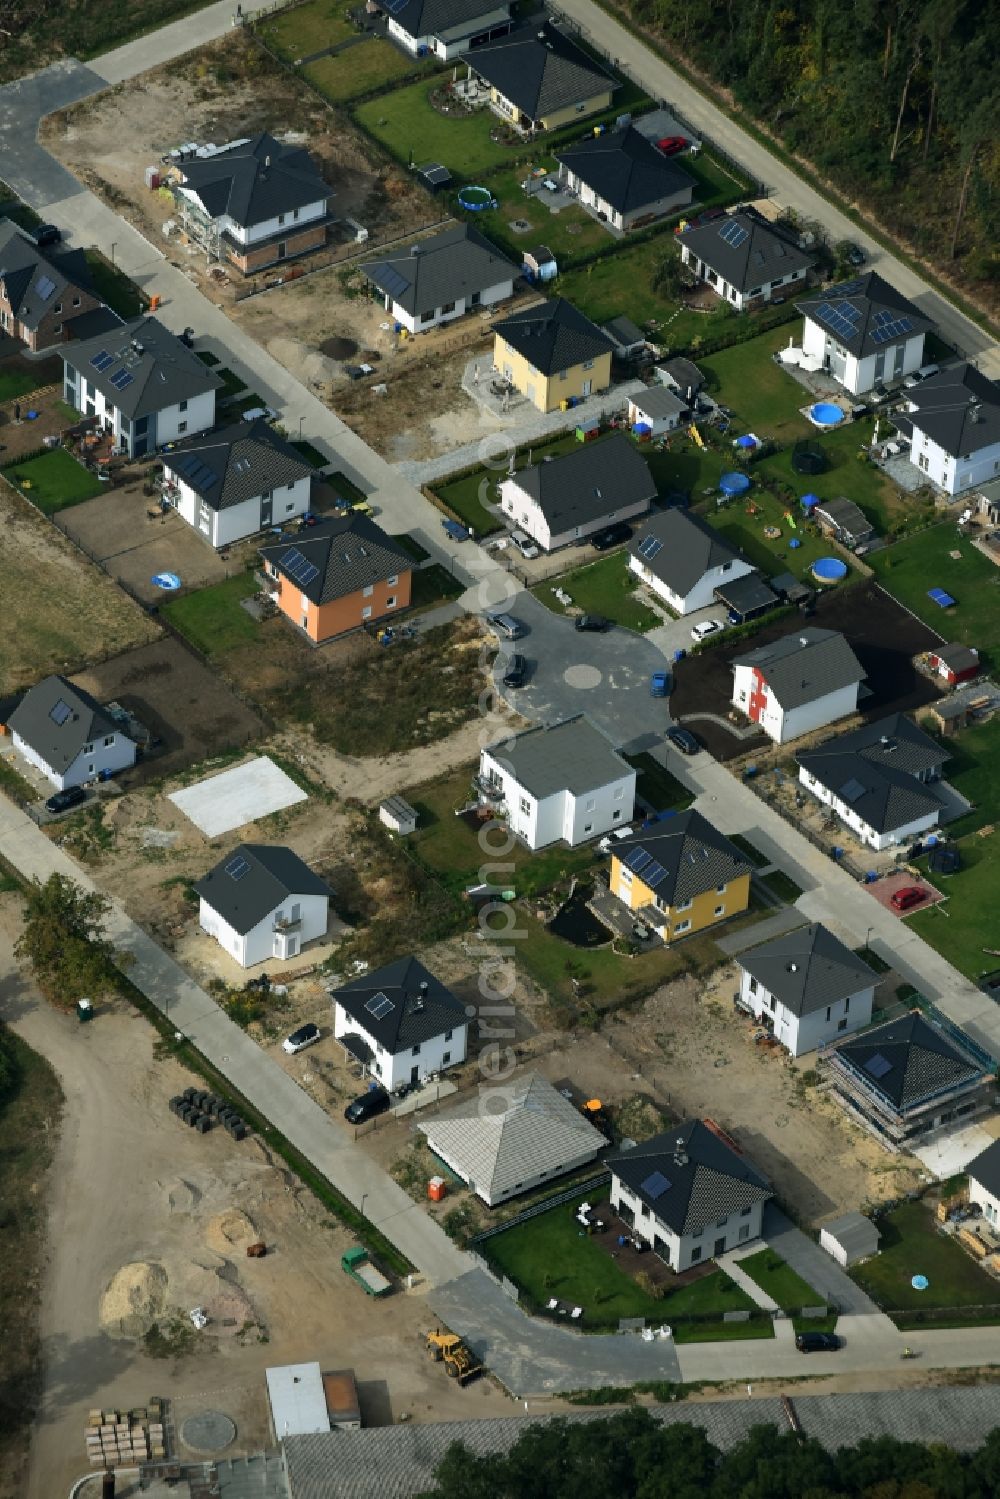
(379, 1005)
(102, 359)
(392, 6)
(878, 1066)
(394, 284)
(44, 287)
(237, 868)
(655, 1185)
(891, 328)
(733, 233)
(306, 574)
(637, 859)
(654, 873)
(851, 790)
(121, 378)
(59, 712)
(649, 547)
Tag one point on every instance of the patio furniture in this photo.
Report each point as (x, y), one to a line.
(576, 1312)
(552, 1304)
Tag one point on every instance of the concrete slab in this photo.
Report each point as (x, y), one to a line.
(237, 796)
(951, 1153)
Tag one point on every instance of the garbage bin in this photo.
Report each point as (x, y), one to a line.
(84, 1010)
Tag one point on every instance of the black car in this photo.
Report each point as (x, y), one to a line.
(683, 740)
(817, 1342)
(854, 254)
(368, 1106)
(63, 800)
(611, 536)
(517, 670)
(46, 234)
(594, 622)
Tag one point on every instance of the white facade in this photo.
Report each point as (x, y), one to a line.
(576, 818)
(413, 1062)
(112, 752)
(525, 512)
(987, 1201)
(681, 1251)
(856, 375)
(702, 594)
(752, 694)
(876, 840)
(421, 322)
(281, 934)
(949, 473)
(252, 234)
(799, 1034)
(140, 435)
(655, 209)
(656, 424)
(234, 522)
(453, 43)
(732, 294)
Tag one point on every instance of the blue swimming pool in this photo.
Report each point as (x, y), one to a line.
(829, 570)
(825, 414)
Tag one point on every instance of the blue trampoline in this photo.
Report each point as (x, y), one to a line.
(942, 599)
(733, 484)
(169, 582)
(829, 570)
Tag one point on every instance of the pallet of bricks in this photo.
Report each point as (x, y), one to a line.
(123, 1439)
(202, 1110)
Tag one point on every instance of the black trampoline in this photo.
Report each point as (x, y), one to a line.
(808, 457)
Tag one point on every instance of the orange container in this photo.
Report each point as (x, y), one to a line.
(436, 1188)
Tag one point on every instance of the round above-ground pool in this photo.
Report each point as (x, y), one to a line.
(476, 199)
(734, 484)
(826, 414)
(829, 570)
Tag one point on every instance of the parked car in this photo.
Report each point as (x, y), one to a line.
(46, 234)
(907, 897)
(63, 800)
(505, 625)
(683, 740)
(817, 1342)
(300, 1039)
(705, 629)
(595, 623)
(671, 144)
(528, 548)
(368, 1106)
(659, 684)
(853, 254)
(609, 840)
(918, 376)
(516, 671)
(611, 536)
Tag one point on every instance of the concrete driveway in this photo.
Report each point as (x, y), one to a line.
(815, 1266)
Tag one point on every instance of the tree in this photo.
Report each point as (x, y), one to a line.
(64, 940)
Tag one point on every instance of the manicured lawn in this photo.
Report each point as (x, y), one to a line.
(782, 885)
(310, 454)
(911, 1245)
(746, 378)
(434, 585)
(965, 924)
(746, 531)
(359, 70)
(212, 618)
(15, 383)
(779, 1281)
(54, 480)
(852, 475)
(304, 29)
(405, 121)
(231, 386)
(114, 287)
(657, 786)
(604, 587)
(464, 498)
(622, 284)
(974, 770)
(569, 233)
(757, 859)
(909, 568)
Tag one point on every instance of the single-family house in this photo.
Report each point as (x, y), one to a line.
(45, 295)
(806, 987)
(983, 1172)
(689, 1193)
(67, 735)
(537, 79)
(955, 663)
(743, 257)
(683, 559)
(656, 410)
(338, 576)
(401, 1023)
(680, 876)
(445, 28)
(954, 419)
(442, 278)
(142, 383)
(254, 202)
(512, 1136)
(798, 683)
(849, 1239)
(864, 331)
(845, 521)
(236, 482)
(262, 901)
(552, 354)
(908, 1079)
(879, 780)
(624, 179)
(570, 497)
(558, 781)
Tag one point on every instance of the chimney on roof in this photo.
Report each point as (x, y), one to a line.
(414, 249)
(803, 640)
(975, 412)
(680, 1154)
(793, 968)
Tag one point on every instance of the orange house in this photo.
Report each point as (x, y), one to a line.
(338, 576)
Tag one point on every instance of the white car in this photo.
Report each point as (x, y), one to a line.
(707, 627)
(525, 545)
(300, 1039)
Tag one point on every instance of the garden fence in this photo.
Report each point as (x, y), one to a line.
(578, 1188)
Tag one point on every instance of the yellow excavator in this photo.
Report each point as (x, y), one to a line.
(459, 1361)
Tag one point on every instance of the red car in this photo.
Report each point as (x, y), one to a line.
(671, 144)
(908, 897)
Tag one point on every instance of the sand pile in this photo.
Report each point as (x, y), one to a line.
(134, 1299)
(230, 1230)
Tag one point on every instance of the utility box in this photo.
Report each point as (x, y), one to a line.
(436, 1188)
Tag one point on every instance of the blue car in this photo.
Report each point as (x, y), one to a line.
(659, 684)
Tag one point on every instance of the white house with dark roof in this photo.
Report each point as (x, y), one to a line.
(441, 278)
(798, 684)
(401, 1023)
(624, 179)
(658, 409)
(807, 988)
(864, 331)
(743, 258)
(560, 781)
(689, 1193)
(262, 902)
(444, 28)
(512, 1136)
(537, 79)
(953, 422)
(879, 780)
(683, 560)
(983, 1172)
(142, 383)
(67, 735)
(570, 497)
(236, 482)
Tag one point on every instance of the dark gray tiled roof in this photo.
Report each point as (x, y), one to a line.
(691, 548)
(874, 769)
(625, 170)
(685, 375)
(255, 180)
(589, 482)
(659, 400)
(691, 854)
(746, 595)
(553, 336)
(244, 896)
(163, 370)
(707, 1179)
(985, 1168)
(574, 755)
(539, 76)
(808, 969)
(416, 1015)
(433, 17)
(236, 463)
(445, 268)
(959, 409)
(956, 657)
(348, 554)
(921, 1060)
(760, 255)
(843, 515)
(622, 331)
(35, 280)
(805, 665)
(58, 743)
(854, 311)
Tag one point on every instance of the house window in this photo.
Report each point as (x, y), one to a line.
(696, 1253)
(682, 926)
(722, 1223)
(524, 805)
(842, 1024)
(416, 1050)
(182, 426)
(391, 582)
(828, 1008)
(281, 218)
(684, 905)
(88, 749)
(744, 1212)
(625, 875)
(588, 364)
(616, 814)
(57, 307)
(182, 405)
(847, 1004)
(57, 328)
(448, 1035)
(588, 827)
(618, 793)
(446, 1059)
(76, 301)
(719, 911)
(754, 986)
(366, 593)
(448, 307)
(292, 485)
(366, 612)
(295, 213)
(109, 740)
(390, 602)
(744, 1232)
(720, 889)
(591, 804)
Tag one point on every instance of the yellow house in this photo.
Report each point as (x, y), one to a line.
(551, 353)
(680, 876)
(539, 80)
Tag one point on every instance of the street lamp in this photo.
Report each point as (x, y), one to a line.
(301, 419)
(114, 244)
(364, 1199)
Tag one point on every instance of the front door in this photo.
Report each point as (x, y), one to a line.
(414, 1074)
(720, 1247)
(282, 250)
(588, 386)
